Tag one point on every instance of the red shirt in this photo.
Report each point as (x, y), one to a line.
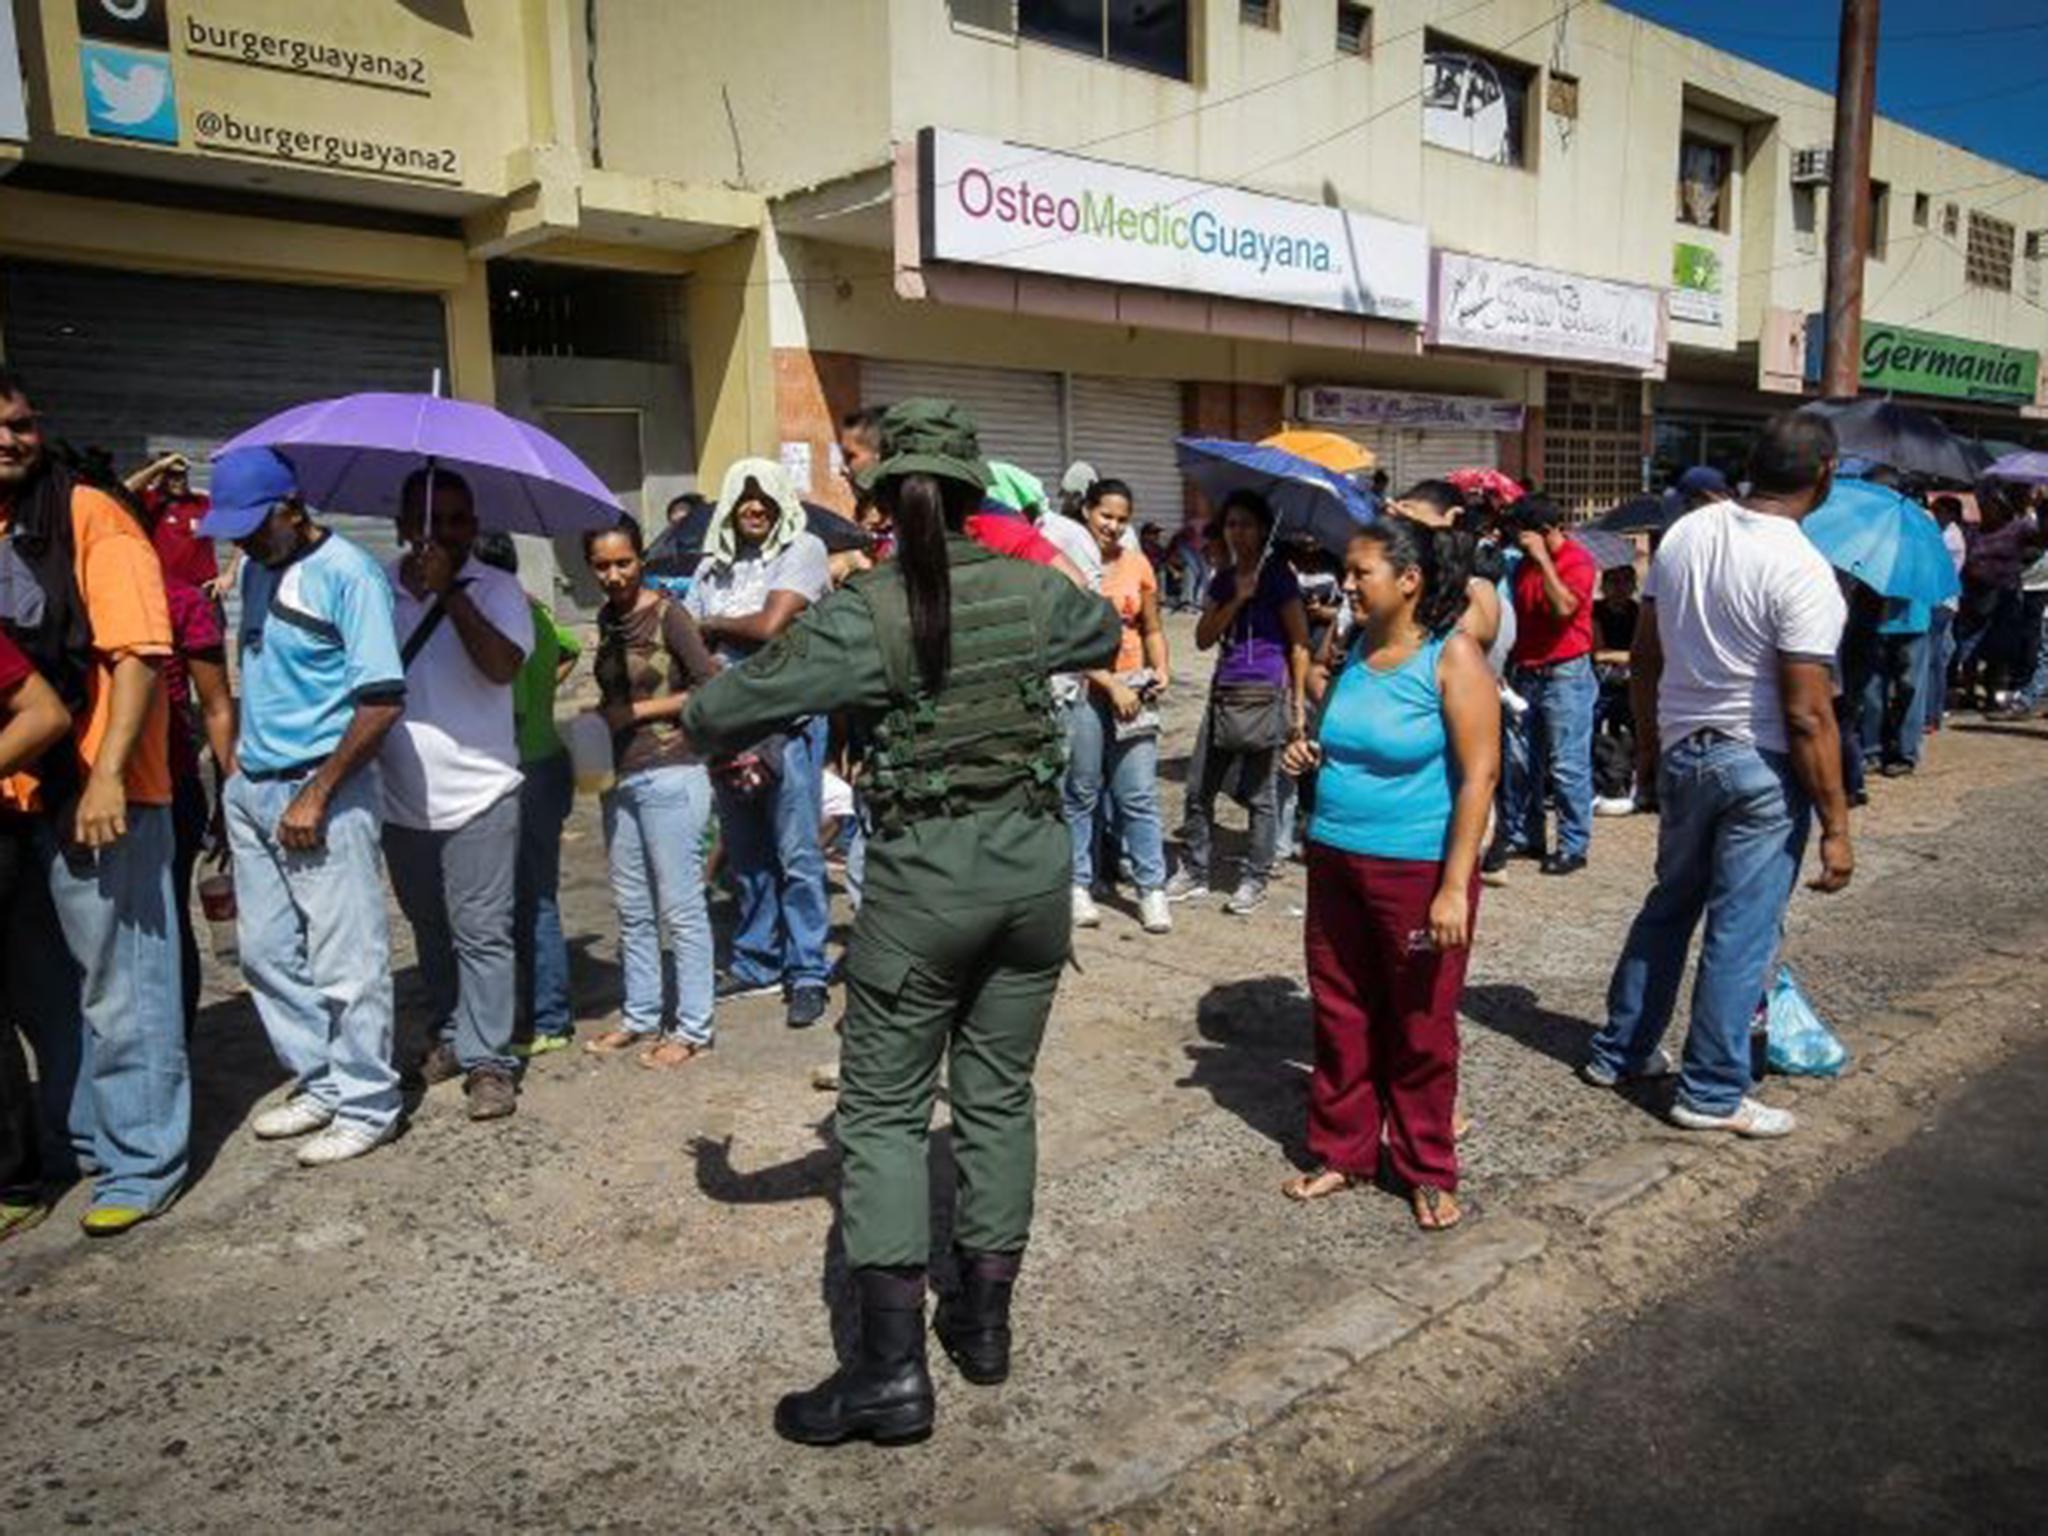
(14, 667)
(1010, 535)
(195, 631)
(1542, 639)
(185, 555)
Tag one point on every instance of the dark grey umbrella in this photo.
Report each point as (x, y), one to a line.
(1910, 441)
(678, 548)
(1641, 514)
(1610, 550)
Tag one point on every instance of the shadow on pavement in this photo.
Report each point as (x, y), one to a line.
(233, 1070)
(1515, 1012)
(815, 1176)
(1254, 1056)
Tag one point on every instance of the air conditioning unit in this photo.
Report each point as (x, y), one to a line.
(1812, 167)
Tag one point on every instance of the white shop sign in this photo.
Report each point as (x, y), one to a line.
(1504, 306)
(1344, 405)
(1035, 210)
(13, 119)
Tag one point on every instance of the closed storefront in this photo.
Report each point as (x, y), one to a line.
(1018, 412)
(1042, 422)
(137, 364)
(1126, 429)
(1412, 435)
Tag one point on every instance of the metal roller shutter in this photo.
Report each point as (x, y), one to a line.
(1432, 455)
(128, 361)
(1125, 428)
(1018, 413)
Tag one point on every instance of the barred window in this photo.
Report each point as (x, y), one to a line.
(1592, 441)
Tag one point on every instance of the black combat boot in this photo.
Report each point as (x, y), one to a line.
(885, 1393)
(974, 1322)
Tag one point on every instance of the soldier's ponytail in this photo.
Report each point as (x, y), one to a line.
(924, 508)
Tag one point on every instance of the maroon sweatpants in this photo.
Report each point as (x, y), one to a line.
(1386, 1014)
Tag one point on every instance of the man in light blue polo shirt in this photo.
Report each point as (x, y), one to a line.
(322, 685)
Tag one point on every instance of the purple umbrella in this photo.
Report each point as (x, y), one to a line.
(2031, 468)
(353, 455)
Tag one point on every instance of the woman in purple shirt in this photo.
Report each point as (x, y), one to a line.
(1256, 699)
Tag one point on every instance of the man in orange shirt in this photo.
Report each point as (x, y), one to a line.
(82, 594)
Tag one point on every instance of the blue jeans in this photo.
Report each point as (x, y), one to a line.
(1559, 726)
(1893, 699)
(316, 944)
(455, 888)
(1127, 774)
(2035, 686)
(121, 1085)
(1733, 829)
(1941, 651)
(545, 800)
(654, 824)
(778, 869)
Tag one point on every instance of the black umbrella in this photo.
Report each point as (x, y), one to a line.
(1910, 441)
(1641, 514)
(678, 548)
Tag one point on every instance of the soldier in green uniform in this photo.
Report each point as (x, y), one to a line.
(942, 657)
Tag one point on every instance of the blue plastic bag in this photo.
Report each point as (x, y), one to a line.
(1800, 1044)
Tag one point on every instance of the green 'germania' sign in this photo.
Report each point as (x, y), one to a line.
(1922, 363)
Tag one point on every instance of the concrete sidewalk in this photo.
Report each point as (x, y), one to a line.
(582, 1316)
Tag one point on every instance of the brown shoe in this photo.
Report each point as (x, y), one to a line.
(439, 1065)
(492, 1093)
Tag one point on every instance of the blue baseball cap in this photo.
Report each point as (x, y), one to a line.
(247, 484)
(1704, 480)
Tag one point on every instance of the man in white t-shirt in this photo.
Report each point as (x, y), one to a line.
(451, 787)
(1733, 661)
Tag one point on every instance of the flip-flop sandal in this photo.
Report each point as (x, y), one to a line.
(1298, 1188)
(612, 1042)
(655, 1061)
(1428, 1198)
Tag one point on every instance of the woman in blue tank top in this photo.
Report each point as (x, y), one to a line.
(1408, 753)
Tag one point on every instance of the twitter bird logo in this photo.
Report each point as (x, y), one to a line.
(129, 95)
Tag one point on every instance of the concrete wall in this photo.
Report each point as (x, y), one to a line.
(766, 94)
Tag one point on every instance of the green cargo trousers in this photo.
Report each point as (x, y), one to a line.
(972, 985)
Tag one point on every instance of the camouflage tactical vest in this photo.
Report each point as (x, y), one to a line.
(988, 740)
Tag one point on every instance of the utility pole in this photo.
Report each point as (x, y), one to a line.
(1849, 198)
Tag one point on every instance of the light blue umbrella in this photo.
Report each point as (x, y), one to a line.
(1887, 541)
(1305, 497)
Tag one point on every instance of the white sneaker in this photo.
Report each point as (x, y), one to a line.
(1154, 915)
(340, 1142)
(1750, 1119)
(294, 1117)
(1186, 885)
(1614, 805)
(1249, 896)
(1086, 913)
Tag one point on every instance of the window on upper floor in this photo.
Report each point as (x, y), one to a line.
(1987, 260)
(1151, 35)
(1879, 232)
(1260, 13)
(1706, 169)
(1923, 209)
(1475, 103)
(1354, 29)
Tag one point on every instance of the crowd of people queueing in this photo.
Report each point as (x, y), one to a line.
(993, 683)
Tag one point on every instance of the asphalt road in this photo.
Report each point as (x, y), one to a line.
(1878, 1364)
